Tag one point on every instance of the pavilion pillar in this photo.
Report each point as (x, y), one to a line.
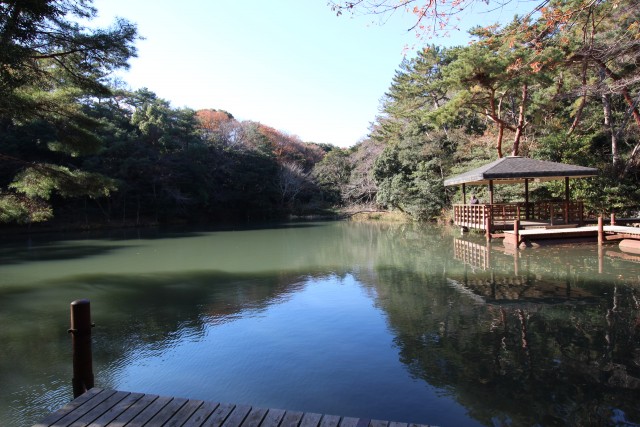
(566, 199)
(491, 192)
(526, 198)
(464, 194)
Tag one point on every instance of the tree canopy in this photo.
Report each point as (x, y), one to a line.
(50, 67)
(560, 84)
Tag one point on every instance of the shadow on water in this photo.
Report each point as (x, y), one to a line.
(48, 246)
(150, 233)
(48, 252)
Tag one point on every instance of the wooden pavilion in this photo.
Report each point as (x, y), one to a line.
(515, 170)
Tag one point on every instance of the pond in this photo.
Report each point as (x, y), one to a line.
(402, 322)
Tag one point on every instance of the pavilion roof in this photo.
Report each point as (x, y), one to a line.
(514, 169)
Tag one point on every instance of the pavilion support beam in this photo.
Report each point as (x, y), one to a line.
(491, 192)
(567, 195)
(526, 198)
(464, 194)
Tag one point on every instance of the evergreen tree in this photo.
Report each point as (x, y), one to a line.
(50, 68)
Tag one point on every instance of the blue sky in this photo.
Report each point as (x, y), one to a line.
(289, 64)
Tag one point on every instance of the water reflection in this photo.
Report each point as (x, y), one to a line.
(399, 322)
(556, 342)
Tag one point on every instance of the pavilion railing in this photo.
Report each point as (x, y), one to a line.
(552, 212)
(471, 216)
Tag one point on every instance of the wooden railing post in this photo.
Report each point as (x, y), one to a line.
(581, 210)
(600, 230)
(81, 346)
(613, 218)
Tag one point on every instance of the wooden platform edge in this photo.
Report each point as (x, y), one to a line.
(104, 408)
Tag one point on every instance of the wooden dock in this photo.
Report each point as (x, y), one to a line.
(531, 236)
(110, 408)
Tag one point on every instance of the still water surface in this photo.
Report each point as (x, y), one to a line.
(400, 322)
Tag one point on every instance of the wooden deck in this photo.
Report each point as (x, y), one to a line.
(611, 232)
(111, 408)
(500, 216)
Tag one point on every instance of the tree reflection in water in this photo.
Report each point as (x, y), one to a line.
(533, 347)
(547, 336)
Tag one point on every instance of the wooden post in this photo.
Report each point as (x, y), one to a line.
(516, 231)
(613, 218)
(581, 209)
(567, 196)
(491, 192)
(526, 198)
(600, 231)
(81, 346)
(464, 194)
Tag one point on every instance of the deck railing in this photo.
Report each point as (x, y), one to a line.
(471, 216)
(552, 212)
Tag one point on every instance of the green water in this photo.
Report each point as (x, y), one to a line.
(401, 322)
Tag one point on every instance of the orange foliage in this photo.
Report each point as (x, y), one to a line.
(289, 148)
(213, 120)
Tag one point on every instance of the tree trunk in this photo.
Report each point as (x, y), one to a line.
(624, 91)
(499, 140)
(521, 120)
(608, 123)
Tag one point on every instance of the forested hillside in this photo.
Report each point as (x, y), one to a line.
(561, 84)
(77, 147)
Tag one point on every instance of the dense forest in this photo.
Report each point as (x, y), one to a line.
(78, 147)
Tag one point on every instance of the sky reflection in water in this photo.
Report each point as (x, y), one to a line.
(397, 322)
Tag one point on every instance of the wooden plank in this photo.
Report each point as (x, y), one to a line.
(132, 411)
(201, 414)
(167, 412)
(273, 418)
(116, 410)
(238, 415)
(69, 407)
(110, 408)
(150, 411)
(219, 415)
(99, 410)
(291, 419)
(349, 422)
(622, 229)
(330, 421)
(255, 417)
(310, 420)
(184, 413)
(82, 410)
